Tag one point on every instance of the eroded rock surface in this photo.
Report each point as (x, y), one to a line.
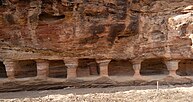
(133, 30)
(124, 29)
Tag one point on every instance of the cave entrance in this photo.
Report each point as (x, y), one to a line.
(120, 68)
(3, 73)
(57, 69)
(185, 68)
(153, 67)
(1, 3)
(26, 68)
(87, 67)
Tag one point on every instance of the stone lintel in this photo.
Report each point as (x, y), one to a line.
(42, 61)
(103, 62)
(71, 65)
(71, 62)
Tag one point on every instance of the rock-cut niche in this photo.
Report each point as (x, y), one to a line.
(2, 70)
(1, 3)
(49, 17)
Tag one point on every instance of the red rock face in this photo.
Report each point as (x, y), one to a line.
(118, 29)
(84, 38)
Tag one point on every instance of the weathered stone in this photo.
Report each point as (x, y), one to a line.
(115, 30)
(137, 68)
(72, 64)
(10, 66)
(42, 69)
(172, 66)
(103, 65)
(72, 30)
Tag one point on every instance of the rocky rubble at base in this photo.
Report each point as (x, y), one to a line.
(103, 82)
(150, 95)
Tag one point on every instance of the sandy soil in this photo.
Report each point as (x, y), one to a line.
(113, 94)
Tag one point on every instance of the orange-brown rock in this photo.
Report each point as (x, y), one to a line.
(83, 37)
(98, 28)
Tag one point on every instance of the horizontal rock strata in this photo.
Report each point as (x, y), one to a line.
(83, 41)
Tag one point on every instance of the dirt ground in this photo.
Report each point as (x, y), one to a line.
(112, 94)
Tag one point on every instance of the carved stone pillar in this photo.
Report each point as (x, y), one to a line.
(137, 68)
(10, 66)
(42, 68)
(172, 66)
(72, 64)
(103, 65)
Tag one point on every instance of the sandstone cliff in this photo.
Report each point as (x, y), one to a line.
(106, 42)
(121, 29)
